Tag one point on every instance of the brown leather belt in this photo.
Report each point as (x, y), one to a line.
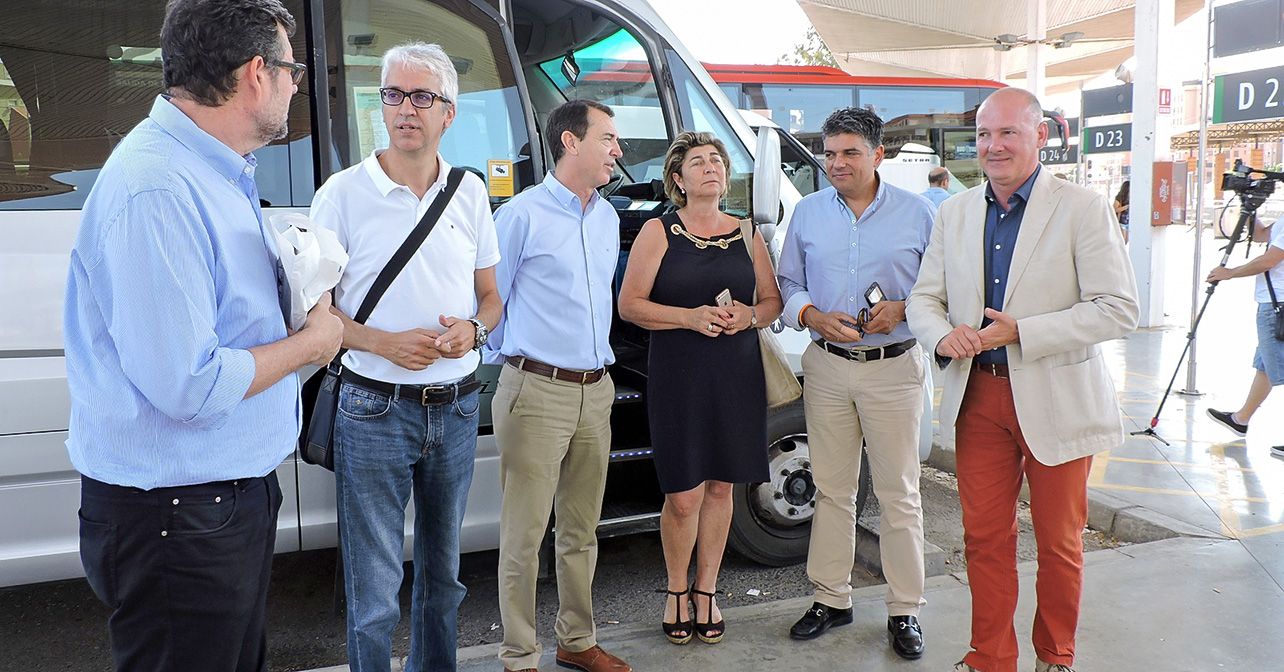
(996, 370)
(549, 371)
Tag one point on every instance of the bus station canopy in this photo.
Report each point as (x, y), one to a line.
(917, 38)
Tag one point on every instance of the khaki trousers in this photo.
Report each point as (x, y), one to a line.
(881, 402)
(554, 441)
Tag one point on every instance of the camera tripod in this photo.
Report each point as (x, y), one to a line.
(1252, 194)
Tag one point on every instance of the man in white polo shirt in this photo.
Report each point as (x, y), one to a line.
(408, 405)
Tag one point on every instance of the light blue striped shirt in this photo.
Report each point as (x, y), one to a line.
(830, 257)
(557, 262)
(171, 282)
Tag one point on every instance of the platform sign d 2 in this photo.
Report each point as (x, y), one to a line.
(1249, 96)
(1103, 139)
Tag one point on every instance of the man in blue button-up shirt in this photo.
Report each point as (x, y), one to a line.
(181, 370)
(864, 377)
(559, 242)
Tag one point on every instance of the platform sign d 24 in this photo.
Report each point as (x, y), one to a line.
(1103, 139)
(1249, 96)
(1058, 155)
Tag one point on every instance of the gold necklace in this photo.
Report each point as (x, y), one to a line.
(702, 243)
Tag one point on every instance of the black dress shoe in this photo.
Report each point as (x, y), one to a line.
(818, 619)
(906, 636)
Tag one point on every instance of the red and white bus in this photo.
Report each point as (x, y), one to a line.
(937, 113)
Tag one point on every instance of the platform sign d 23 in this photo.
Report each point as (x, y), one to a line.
(1249, 96)
(499, 178)
(1103, 139)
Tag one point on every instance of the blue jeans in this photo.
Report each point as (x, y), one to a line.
(383, 450)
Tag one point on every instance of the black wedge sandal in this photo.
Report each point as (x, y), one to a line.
(682, 631)
(709, 633)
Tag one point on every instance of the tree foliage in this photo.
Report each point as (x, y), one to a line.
(811, 51)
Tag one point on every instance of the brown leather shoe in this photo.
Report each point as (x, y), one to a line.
(595, 659)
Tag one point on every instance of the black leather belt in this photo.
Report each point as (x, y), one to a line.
(870, 354)
(428, 395)
(549, 371)
(996, 370)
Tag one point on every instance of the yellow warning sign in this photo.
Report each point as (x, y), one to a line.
(499, 176)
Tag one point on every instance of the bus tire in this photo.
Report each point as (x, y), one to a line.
(771, 522)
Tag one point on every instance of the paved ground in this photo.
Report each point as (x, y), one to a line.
(1191, 603)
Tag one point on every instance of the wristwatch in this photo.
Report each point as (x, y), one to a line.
(753, 316)
(482, 333)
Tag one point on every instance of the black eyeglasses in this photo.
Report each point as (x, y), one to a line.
(297, 70)
(420, 99)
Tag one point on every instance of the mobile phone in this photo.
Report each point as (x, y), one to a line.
(723, 298)
(874, 294)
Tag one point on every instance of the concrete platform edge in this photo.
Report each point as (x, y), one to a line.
(1128, 522)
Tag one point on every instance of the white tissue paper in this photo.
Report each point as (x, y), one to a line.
(312, 259)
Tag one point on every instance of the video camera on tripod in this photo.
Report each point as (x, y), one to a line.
(1252, 192)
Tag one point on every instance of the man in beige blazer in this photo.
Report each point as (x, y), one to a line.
(1024, 278)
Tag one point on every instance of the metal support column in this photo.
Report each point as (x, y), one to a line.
(1197, 276)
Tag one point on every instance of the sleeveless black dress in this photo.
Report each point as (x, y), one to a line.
(707, 397)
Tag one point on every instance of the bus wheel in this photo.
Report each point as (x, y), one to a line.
(771, 522)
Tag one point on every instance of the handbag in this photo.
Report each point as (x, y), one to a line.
(320, 393)
(1277, 306)
(782, 384)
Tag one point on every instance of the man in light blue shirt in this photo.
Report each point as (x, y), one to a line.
(850, 257)
(559, 243)
(180, 367)
(938, 181)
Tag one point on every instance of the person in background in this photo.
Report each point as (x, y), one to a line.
(559, 243)
(938, 182)
(1024, 279)
(184, 398)
(710, 436)
(408, 402)
(1268, 360)
(1121, 208)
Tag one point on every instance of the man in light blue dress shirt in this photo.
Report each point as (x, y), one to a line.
(559, 243)
(181, 370)
(938, 184)
(864, 376)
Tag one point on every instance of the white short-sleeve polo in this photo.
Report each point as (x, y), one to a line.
(372, 216)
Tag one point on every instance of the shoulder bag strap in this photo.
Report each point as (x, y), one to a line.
(746, 234)
(407, 250)
(1275, 303)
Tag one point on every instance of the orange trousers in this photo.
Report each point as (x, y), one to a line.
(992, 456)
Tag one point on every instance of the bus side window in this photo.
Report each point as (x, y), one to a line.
(802, 170)
(489, 124)
(700, 114)
(74, 82)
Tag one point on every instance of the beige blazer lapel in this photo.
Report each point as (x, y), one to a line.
(1043, 203)
(972, 234)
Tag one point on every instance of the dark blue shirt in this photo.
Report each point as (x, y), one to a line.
(1001, 229)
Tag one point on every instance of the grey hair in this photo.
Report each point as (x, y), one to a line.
(424, 57)
(857, 121)
(1033, 108)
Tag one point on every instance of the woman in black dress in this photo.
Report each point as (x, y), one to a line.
(705, 389)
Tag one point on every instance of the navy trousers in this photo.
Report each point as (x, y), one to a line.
(185, 571)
